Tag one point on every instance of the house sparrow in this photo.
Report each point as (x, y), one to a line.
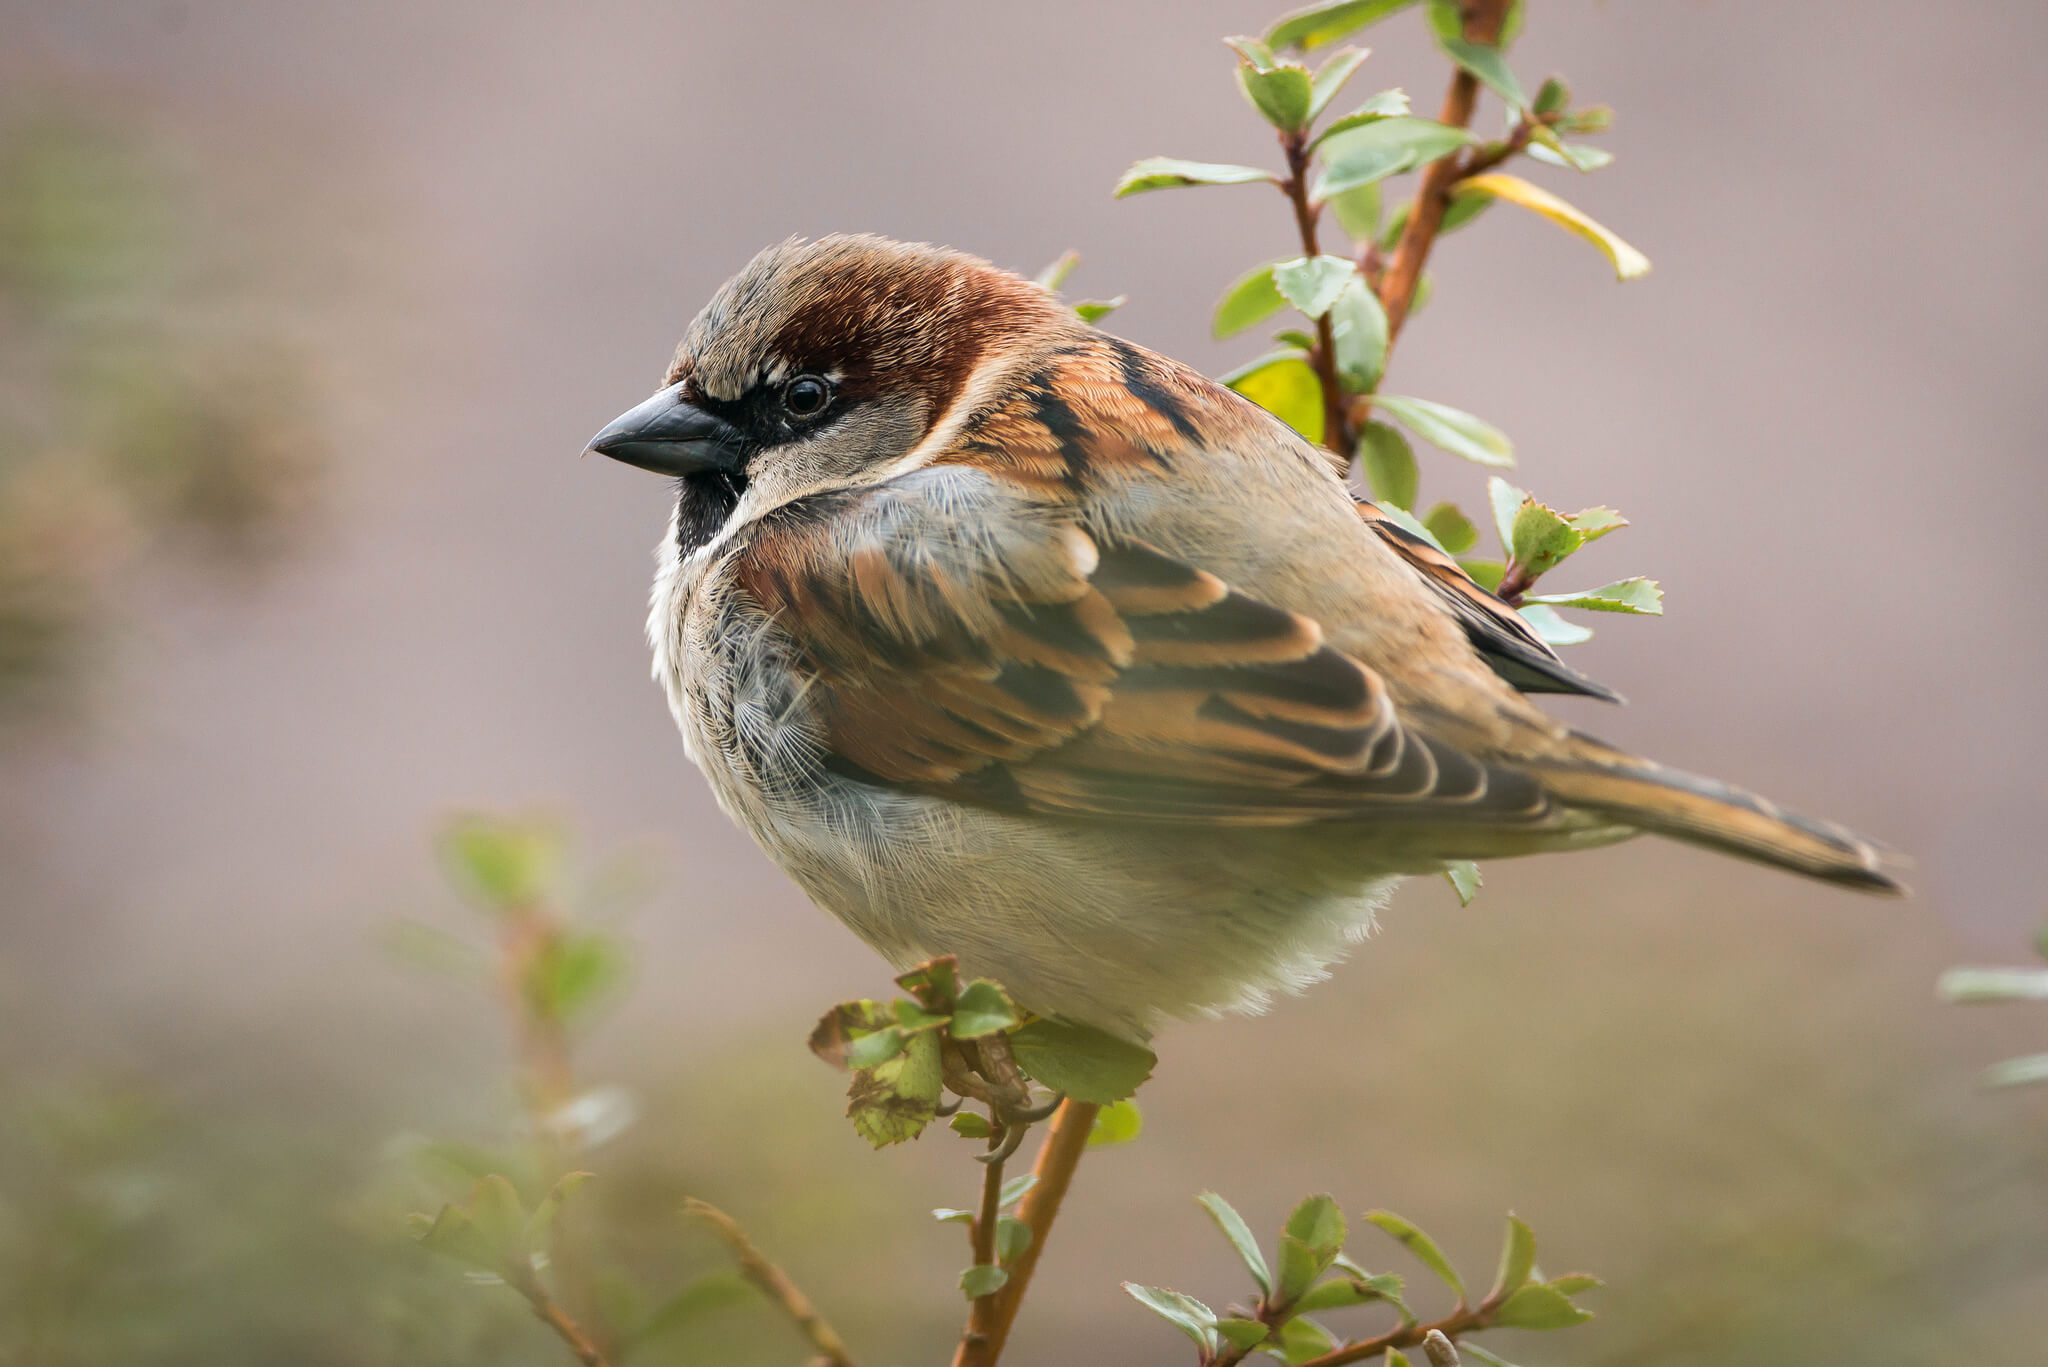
(1012, 640)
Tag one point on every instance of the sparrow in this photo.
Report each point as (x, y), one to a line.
(1012, 640)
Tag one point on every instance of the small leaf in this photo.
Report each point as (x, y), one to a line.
(452, 1234)
(934, 983)
(1250, 300)
(1358, 212)
(1457, 432)
(970, 1125)
(1387, 104)
(1303, 1340)
(1420, 1245)
(1575, 155)
(1411, 525)
(1013, 1190)
(1319, 1223)
(1572, 1283)
(1341, 1292)
(571, 973)
(1396, 1358)
(1240, 1235)
(1640, 596)
(1320, 25)
(1517, 1258)
(953, 1215)
(1117, 1123)
(1281, 94)
(1594, 118)
(983, 1279)
(1382, 148)
(1629, 264)
(1552, 97)
(2016, 1072)
(496, 1210)
(871, 1050)
(1095, 310)
(1485, 573)
(1283, 384)
(1596, 522)
(912, 1018)
(1389, 465)
(1295, 337)
(1974, 985)
(1490, 65)
(1540, 537)
(1552, 628)
(982, 1008)
(1539, 1307)
(1185, 1313)
(1312, 284)
(1464, 879)
(894, 1100)
(1013, 1236)
(1505, 500)
(1165, 173)
(1242, 1333)
(837, 1029)
(1052, 277)
(505, 864)
(1451, 528)
(1331, 76)
(1080, 1061)
(1300, 1267)
(541, 1224)
(1358, 335)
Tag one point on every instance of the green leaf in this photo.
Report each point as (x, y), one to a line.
(1282, 94)
(1485, 573)
(1572, 1283)
(1490, 65)
(1541, 537)
(1081, 1062)
(1240, 1235)
(911, 1018)
(1358, 334)
(970, 1125)
(452, 1234)
(1283, 384)
(2017, 1072)
(953, 1215)
(1464, 879)
(1318, 1222)
(1013, 1190)
(1300, 1267)
(1411, 525)
(712, 1292)
(573, 972)
(1596, 522)
(1387, 104)
(1095, 310)
(540, 1225)
(1594, 118)
(1396, 1358)
(1164, 173)
(1339, 1293)
(1382, 148)
(1468, 1348)
(1252, 299)
(871, 1050)
(1552, 97)
(504, 864)
(1457, 432)
(1312, 283)
(983, 1279)
(1117, 1123)
(1052, 277)
(495, 1208)
(1576, 155)
(894, 1100)
(1554, 629)
(1242, 1333)
(1184, 1313)
(837, 1030)
(1505, 500)
(1539, 1307)
(1358, 212)
(1629, 264)
(1463, 208)
(1320, 25)
(1974, 985)
(1420, 1245)
(1640, 596)
(1303, 1340)
(935, 982)
(1295, 337)
(1331, 76)
(1389, 465)
(1013, 1236)
(1517, 1259)
(982, 1008)
(1450, 527)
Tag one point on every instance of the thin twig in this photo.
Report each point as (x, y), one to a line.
(579, 1340)
(1065, 1141)
(974, 1339)
(1337, 432)
(757, 1268)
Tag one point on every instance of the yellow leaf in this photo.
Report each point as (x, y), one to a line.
(1628, 262)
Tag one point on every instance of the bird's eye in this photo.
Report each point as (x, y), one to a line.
(806, 396)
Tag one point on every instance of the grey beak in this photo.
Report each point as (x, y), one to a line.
(671, 436)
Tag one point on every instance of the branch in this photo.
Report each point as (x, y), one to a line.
(757, 1268)
(1065, 1141)
(580, 1343)
(1338, 435)
(975, 1344)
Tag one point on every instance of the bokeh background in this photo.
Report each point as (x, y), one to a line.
(305, 312)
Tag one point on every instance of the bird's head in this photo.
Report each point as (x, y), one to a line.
(826, 365)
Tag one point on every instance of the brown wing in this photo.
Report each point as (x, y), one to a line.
(970, 641)
(1499, 633)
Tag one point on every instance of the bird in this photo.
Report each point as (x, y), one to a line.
(1012, 640)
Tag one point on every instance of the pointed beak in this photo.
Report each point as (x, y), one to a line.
(671, 436)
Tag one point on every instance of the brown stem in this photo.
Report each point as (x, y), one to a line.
(579, 1340)
(1066, 1139)
(974, 1349)
(759, 1269)
(1337, 432)
(1514, 582)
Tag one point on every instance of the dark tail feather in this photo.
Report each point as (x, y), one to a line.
(1707, 812)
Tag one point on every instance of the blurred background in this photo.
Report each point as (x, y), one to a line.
(305, 313)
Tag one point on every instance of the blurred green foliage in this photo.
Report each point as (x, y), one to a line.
(143, 420)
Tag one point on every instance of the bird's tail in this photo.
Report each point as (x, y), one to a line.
(1597, 778)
